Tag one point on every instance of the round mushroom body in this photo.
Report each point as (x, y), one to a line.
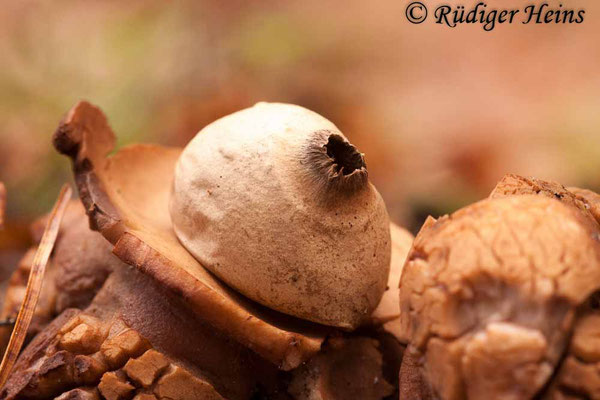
(488, 295)
(276, 202)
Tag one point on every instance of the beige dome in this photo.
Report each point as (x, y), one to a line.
(275, 201)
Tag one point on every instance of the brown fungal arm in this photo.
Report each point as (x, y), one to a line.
(387, 312)
(126, 199)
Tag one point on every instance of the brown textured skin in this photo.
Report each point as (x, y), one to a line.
(81, 262)
(489, 294)
(115, 193)
(176, 332)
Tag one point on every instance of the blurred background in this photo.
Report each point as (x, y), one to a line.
(440, 113)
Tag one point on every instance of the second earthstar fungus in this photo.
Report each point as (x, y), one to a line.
(128, 312)
(495, 299)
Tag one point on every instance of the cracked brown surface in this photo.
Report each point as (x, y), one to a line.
(92, 359)
(82, 356)
(126, 198)
(489, 294)
(578, 376)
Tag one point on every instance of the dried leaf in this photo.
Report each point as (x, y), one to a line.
(34, 284)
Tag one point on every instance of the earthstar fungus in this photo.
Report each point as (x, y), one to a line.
(114, 193)
(127, 312)
(492, 296)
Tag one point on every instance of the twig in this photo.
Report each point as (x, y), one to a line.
(34, 285)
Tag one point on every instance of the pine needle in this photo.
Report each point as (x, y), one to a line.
(2, 204)
(34, 285)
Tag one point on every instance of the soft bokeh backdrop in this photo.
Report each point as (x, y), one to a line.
(441, 113)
